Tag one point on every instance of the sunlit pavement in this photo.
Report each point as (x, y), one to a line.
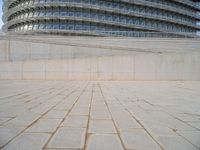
(99, 115)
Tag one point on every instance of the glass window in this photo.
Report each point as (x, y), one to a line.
(55, 26)
(49, 26)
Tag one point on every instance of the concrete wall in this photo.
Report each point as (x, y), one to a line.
(20, 59)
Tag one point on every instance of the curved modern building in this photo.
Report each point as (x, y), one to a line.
(103, 17)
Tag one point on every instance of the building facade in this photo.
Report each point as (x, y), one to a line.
(158, 18)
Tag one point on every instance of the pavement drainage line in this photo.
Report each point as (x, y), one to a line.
(23, 112)
(187, 140)
(83, 90)
(14, 95)
(118, 133)
(11, 97)
(87, 128)
(45, 91)
(28, 92)
(11, 118)
(46, 99)
(31, 124)
(186, 88)
(174, 118)
(33, 98)
(185, 122)
(19, 94)
(153, 138)
(28, 126)
(58, 92)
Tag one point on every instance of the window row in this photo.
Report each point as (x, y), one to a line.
(110, 4)
(85, 26)
(92, 14)
(108, 18)
(173, 4)
(99, 31)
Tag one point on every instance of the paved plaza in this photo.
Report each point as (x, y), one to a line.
(99, 115)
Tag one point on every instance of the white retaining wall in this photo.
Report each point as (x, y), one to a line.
(21, 59)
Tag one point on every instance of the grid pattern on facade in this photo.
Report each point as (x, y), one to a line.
(102, 17)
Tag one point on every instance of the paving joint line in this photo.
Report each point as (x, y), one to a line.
(118, 132)
(82, 91)
(87, 128)
(46, 99)
(139, 123)
(185, 122)
(27, 127)
(187, 140)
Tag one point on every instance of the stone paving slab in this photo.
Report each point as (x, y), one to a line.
(99, 115)
(101, 126)
(139, 139)
(176, 143)
(44, 125)
(192, 136)
(67, 138)
(28, 141)
(76, 121)
(104, 142)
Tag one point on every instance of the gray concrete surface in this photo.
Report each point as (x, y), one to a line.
(16, 48)
(99, 115)
(86, 58)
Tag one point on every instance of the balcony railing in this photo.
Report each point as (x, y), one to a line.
(107, 33)
(139, 2)
(135, 25)
(115, 10)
